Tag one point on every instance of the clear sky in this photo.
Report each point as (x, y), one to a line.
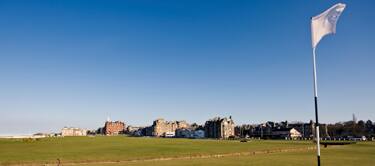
(74, 63)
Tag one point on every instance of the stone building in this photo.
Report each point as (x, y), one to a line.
(132, 129)
(114, 128)
(290, 133)
(160, 127)
(72, 131)
(147, 131)
(308, 129)
(221, 128)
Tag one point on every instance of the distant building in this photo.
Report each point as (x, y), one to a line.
(184, 133)
(160, 127)
(286, 133)
(189, 133)
(147, 131)
(42, 135)
(71, 131)
(114, 128)
(91, 132)
(198, 134)
(268, 129)
(308, 129)
(100, 130)
(221, 128)
(132, 129)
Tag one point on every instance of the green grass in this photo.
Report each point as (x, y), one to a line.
(98, 150)
(362, 154)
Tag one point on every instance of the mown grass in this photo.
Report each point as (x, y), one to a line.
(362, 154)
(119, 148)
(96, 150)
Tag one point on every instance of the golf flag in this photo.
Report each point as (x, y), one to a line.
(325, 23)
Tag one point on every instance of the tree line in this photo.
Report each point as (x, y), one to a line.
(352, 128)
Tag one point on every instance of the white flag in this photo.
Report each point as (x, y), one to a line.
(325, 23)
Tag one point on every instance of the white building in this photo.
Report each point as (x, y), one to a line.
(71, 131)
(169, 134)
(286, 133)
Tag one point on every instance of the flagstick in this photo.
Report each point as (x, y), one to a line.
(316, 109)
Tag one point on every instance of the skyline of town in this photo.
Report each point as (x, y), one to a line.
(108, 119)
(222, 128)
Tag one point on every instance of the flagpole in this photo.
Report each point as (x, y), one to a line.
(316, 108)
(322, 25)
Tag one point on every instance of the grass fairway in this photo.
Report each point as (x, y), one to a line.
(362, 154)
(158, 151)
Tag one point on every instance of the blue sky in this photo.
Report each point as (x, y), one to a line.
(73, 63)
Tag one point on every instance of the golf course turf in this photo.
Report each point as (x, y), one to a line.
(121, 150)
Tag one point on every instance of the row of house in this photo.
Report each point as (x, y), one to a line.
(219, 128)
(283, 129)
(163, 128)
(215, 128)
(110, 128)
(72, 131)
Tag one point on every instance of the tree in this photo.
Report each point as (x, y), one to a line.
(360, 128)
(361, 123)
(369, 127)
